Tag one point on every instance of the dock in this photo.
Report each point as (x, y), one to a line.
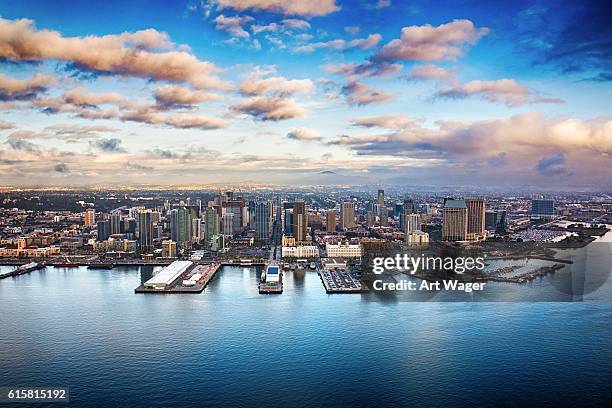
(340, 281)
(183, 277)
(22, 269)
(271, 281)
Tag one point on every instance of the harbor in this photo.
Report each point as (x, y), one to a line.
(180, 277)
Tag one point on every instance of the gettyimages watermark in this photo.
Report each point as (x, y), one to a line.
(405, 263)
(503, 271)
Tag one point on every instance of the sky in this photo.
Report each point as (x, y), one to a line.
(386, 92)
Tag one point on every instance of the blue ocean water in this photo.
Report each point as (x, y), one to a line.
(230, 346)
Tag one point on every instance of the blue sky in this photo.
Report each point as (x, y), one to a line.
(422, 93)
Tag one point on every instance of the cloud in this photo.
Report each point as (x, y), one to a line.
(21, 144)
(233, 26)
(145, 54)
(424, 72)
(23, 89)
(4, 125)
(269, 108)
(255, 85)
(552, 165)
(367, 43)
(288, 7)
(507, 91)
(520, 139)
(304, 134)
(352, 29)
(181, 121)
(74, 132)
(61, 168)
(382, 4)
(393, 122)
(81, 97)
(427, 43)
(576, 38)
(111, 145)
(296, 24)
(171, 96)
(358, 93)
(365, 69)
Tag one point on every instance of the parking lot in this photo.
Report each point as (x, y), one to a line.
(339, 281)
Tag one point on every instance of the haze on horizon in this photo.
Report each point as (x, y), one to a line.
(306, 93)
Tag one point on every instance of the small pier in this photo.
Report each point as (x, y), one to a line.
(22, 270)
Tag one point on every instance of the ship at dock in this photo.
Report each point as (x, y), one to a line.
(271, 280)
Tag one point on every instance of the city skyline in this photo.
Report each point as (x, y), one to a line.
(325, 92)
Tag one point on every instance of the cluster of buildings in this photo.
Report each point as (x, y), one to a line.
(304, 226)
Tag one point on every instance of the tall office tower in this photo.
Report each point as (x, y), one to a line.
(196, 230)
(103, 228)
(347, 215)
(300, 220)
(129, 227)
(227, 224)
(236, 206)
(180, 227)
(212, 224)
(371, 219)
(408, 207)
(381, 197)
(490, 220)
(115, 222)
(412, 222)
(501, 225)
(398, 210)
(145, 229)
(90, 217)
(251, 208)
(476, 218)
(454, 220)
(383, 214)
(263, 221)
(542, 208)
(330, 221)
(288, 224)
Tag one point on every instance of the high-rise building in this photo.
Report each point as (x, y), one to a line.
(542, 208)
(115, 222)
(381, 197)
(454, 220)
(383, 214)
(476, 218)
(180, 226)
(168, 249)
(90, 217)
(263, 221)
(347, 215)
(104, 230)
(227, 224)
(330, 221)
(145, 229)
(288, 225)
(408, 207)
(371, 219)
(300, 220)
(212, 224)
(196, 230)
(412, 222)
